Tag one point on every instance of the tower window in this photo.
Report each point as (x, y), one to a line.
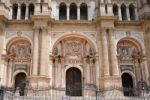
(62, 11)
(73, 11)
(83, 11)
(23, 11)
(14, 11)
(31, 10)
(123, 12)
(115, 10)
(132, 12)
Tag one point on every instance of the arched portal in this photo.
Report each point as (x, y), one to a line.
(73, 82)
(127, 84)
(20, 80)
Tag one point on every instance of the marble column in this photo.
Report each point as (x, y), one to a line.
(56, 71)
(68, 12)
(57, 12)
(10, 67)
(44, 53)
(88, 78)
(59, 72)
(136, 13)
(27, 12)
(63, 72)
(91, 70)
(113, 53)
(51, 67)
(35, 52)
(128, 13)
(78, 12)
(11, 13)
(84, 70)
(19, 12)
(105, 53)
(119, 14)
(97, 70)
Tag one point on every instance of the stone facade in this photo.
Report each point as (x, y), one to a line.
(59, 43)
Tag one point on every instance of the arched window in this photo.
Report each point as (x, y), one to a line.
(31, 10)
(115, 10)
(23, 11)
(62, 11)
(132, 12)
(73, 11)
(123, 12)
(83, 11)
(14, 11)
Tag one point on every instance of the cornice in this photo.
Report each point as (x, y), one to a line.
(87, 22)
(105, 18)
(128, 23)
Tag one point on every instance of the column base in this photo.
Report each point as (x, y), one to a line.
(89, 90)
(111, 86)
(37, 82)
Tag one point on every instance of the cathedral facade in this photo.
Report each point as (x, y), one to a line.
(76, 47)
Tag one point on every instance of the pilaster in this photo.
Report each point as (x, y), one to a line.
(119, 12)
(78, 12)
(44, 53)
(27, 12)
(68, 12)
(19, 12)
(105, 53)
(128, 13)
(35, 52)
(113, 55)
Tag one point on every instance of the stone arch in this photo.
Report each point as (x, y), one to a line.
(136, 42)
(16, 39)
(76, 66)
(132, 75)
(75, 34)
(19, 71)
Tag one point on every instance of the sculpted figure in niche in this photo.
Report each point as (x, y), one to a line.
(87, 49)
(59, 48)
(125, 51)
(22, 51)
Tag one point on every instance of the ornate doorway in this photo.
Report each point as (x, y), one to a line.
(127, 83)
(73, 82)
(20, 80)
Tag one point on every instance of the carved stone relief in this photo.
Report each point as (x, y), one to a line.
(73, 49)
(126, 49)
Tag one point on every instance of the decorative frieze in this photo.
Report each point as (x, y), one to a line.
(133, 34)
(10, 34)
(91, 35)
